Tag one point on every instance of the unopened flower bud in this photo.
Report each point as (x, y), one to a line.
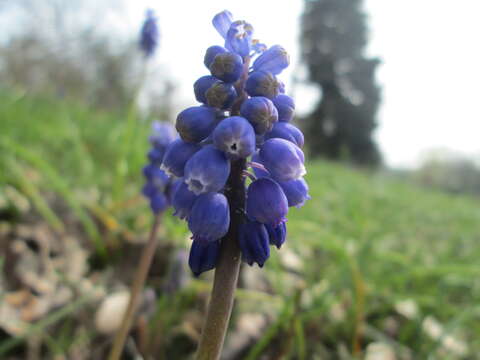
(262, 83)
(220, 95)
(210, 54)
(227, 67)
(201, 86)
(260, 112)
(195, 123)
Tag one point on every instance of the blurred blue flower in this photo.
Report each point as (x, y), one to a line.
(156, 176)
(158, 183)
(158, 202)
(149, 34)
(163, 133)
(156, 156)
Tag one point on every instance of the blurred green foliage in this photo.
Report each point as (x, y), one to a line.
(363, 246)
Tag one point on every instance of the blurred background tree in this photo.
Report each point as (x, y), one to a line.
(334, 38)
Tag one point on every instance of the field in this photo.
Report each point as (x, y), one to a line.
(373, 266)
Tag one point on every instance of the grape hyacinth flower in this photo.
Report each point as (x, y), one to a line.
(242, 130)
(158, 190)
(149, 34)
(244, 116)
(162, 135)
(158, 182)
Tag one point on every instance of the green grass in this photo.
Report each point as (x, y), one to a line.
(374, 242)
(365, 242)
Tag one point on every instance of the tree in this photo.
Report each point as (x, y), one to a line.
(334, 37)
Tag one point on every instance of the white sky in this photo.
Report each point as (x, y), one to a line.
(430, 72)
(430, 76)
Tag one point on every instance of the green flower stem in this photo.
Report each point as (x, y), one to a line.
(136, 290)
(226, 273)
(228, 266)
